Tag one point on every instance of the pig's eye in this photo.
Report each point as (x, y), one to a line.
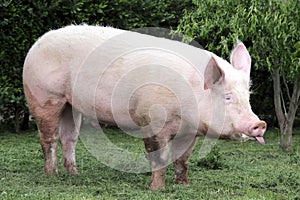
(228, 98)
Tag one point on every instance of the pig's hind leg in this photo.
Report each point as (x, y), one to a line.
(69, 129)
(47, 116)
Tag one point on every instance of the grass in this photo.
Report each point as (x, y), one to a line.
(236, 171)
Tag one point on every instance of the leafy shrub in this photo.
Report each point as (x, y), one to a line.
(213, 160)
(270, 30)
(22, 22)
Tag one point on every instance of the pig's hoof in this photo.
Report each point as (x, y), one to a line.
(182, 182)
(154, 187)
(72, 170)
(53, 172)
(157, 186)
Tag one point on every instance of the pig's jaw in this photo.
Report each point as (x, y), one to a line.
(259, 139)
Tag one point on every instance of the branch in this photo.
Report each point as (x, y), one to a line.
(287, 87)
(283, 103)
(296, 90)
(277, 100)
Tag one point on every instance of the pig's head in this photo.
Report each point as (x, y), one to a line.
(229, 86)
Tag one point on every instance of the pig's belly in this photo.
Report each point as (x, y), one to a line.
(106, 110)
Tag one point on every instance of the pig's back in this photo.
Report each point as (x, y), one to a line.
(57, 53)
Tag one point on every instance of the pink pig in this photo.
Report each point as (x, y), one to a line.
(171, 91)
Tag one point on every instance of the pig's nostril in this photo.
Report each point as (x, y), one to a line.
(258, 128)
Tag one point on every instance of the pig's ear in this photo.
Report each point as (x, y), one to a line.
(240, 58)
(213, 74)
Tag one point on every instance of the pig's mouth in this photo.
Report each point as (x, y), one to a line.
(258, 139)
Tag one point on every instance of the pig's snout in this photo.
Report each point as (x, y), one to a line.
(258, 129)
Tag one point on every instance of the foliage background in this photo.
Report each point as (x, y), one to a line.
(271, 30)
(216, 25)
(22, 22)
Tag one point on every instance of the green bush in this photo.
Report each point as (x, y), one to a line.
(269, 29)
(22, 22)
(213, 160)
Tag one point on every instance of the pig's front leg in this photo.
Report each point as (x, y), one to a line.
(181, 150)
(158, 155)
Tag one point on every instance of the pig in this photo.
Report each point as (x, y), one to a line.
(172, 92)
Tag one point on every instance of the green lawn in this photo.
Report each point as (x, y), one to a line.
(233, 170)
